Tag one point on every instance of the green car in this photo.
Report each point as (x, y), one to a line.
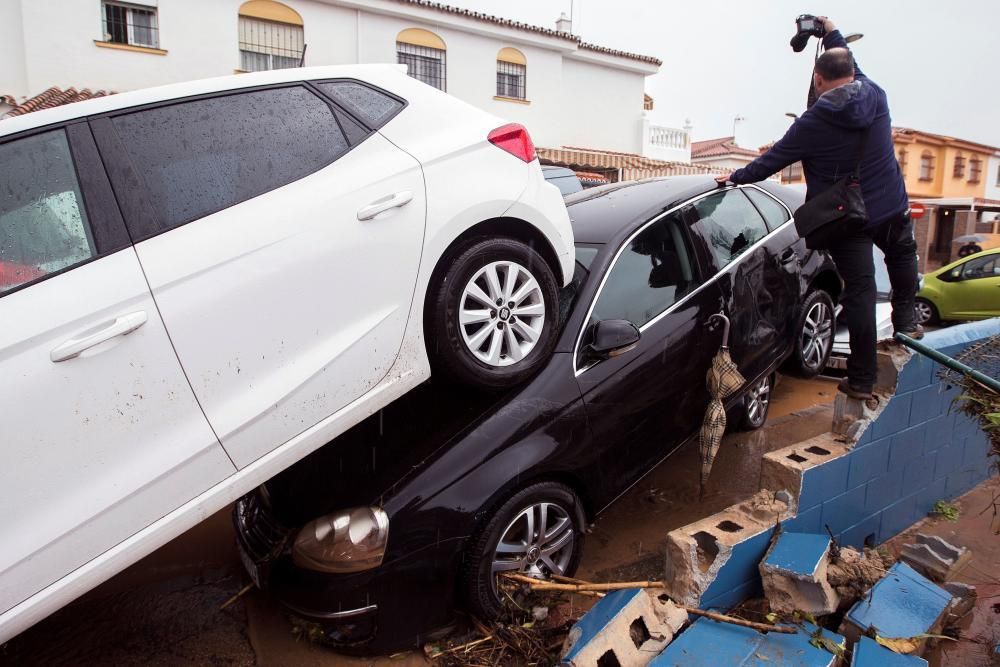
(968, 289)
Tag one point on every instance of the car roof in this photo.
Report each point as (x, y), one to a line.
(601, 214)
(172, 91)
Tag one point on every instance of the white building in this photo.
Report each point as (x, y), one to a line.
(992, 177)
(723, 153)
(567, 92)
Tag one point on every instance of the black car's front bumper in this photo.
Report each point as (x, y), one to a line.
(389, 608)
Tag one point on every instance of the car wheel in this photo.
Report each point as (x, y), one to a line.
(814, 336)
(926, 312)
(494, 314)
(756, 401)
(538, 532)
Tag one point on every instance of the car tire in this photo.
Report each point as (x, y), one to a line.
(756, 402)
(508, 523)
(497, 352)
(814, 331)
(926, 312)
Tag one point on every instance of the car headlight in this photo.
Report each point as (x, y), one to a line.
(346, 541)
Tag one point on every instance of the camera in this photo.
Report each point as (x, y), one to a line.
(806, 26)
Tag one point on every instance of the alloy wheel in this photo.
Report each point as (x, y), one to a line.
(758, 398)
(538, 542)
(502, 313)
(817, 334)
(923, 311)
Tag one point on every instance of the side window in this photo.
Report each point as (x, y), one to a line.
(729, 224)
(653, 272)
(43, 223)
(774, 213)
(981, 267)
(202, 156)
(372, 106)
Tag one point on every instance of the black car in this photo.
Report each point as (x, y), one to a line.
(382, 535)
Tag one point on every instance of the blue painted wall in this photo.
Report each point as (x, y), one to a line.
(921, 449)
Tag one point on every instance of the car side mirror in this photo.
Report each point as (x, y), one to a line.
(610, 338)
(956, 274)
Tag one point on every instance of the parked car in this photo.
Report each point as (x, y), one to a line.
(883, 315)
(378, 538)
(962, 290)
(563, 178)
(202, 283)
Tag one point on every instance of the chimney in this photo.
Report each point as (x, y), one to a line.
(564, 24)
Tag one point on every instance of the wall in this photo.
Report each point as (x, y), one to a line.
(992, 190)
(962, 187)
(592, 94)
(12, 75)
(915, 187)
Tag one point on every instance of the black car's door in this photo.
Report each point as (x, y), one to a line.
(759, 279)
(645, 402)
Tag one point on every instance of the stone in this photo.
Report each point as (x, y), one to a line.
(935, 558)
(794, 574)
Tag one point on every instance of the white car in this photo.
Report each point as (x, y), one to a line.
(204, 282)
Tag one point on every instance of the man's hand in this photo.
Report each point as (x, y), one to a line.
(722, 179)
(828, 25)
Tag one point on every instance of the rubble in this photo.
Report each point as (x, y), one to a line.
(853, 573)
(869, 653)
(935, 558)
(794, 574)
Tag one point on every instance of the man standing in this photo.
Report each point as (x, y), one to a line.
(828, 139)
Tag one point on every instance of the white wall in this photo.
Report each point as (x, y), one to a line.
(992, 176)
(601, 107)
(12, 74)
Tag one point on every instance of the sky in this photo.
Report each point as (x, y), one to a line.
(936, 59)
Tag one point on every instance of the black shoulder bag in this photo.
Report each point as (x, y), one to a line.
(836, 212)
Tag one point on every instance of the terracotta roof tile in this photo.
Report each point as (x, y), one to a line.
(720, 147)
(527, 27)
(55, 97)
(8, 99)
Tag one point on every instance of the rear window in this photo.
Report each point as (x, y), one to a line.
(370, 105)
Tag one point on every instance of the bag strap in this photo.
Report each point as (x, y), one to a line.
(861, 153)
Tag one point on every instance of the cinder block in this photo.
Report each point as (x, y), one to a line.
(627, 627)
(869, 653)
(934, 558)
(856, 535)
(898, 517)
(940, 431)
(976, 450)
(930, 494)
(926, 403)
(894, 418)
(884, 491)
(958, 482)
(918, 473)
(891, 358)
(867, 462)
(794, 574)
(907, 445)
(949, 459)
(740, 570)
(845, 510)
(811, 471)
(732, 597)
(808, 521)
(852, 417)
(917, 373)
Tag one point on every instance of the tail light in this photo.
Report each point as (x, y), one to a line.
(514, 139)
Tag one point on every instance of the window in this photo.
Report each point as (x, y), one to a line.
(200, 157)
(271, 36)
(370, 105)
(424, 55)
(959, 171)
(926, 166)
(729, 224)
(903, 154)
(975, 170)
(512, 74)
(998, 175)
(774, 213)
(653, 272)
(43, 224)
(792, 173)
(981, 267)
(130, 24)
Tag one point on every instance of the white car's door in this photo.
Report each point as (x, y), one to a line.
(100, 434)
(291, 246)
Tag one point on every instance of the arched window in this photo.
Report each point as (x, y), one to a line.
(512, 74)
(959, 171)
(975, 169)
(424, 55)
(271, 36)
(926, 166)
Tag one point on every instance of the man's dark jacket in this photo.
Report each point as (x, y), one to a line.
(826, 138)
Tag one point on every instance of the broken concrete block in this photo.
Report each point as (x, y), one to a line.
(785, 469)
(851, 416)
(963, 599)
(627, 627)
(935, 558)
(869, 653)
(794, 574)
(709, 643)
(903, 604)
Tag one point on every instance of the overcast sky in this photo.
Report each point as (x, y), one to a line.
(937, 59)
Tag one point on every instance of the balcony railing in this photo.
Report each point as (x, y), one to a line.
(665, 143)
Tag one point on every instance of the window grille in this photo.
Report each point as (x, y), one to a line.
(511, 79)
(975, 170)
(266, 45)
(959, 170)
(927, 167)
(128, 24)
(424, 63)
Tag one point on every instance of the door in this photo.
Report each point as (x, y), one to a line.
(977, 293)
(283, 254)
(644, 403)
(100, 434)
(758, 279)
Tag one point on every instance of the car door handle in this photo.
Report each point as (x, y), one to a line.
(385, 204)
(123, 325)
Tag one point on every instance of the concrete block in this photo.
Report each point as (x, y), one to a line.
(894, 418)
(918, 473)
(976, 451)
(957, 483)
(963, 600)
(730, 598)
(794, 574)
(940, 431)
(884, 491)
(903, 604)
(844, 510)
(898, 517)
(852, 417)
(918, 372)
(949, 459)
(863, 533)
(930, 494)
(808, 521)
(868, 461)
(907, 445)
(708, 643)
(811, 471)
(926, 403)
(934, 558)
(627, 627)
(869, 653)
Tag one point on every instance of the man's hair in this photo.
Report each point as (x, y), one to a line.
(837, 63)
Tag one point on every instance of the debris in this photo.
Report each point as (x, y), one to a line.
(794, 574)
(963, 599)
(868, 653)
(935, 558)
(946, 510)
(540, 613)
(243, 591)
(853, 573)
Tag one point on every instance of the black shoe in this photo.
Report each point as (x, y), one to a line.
(916, 332)
(845, 387)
